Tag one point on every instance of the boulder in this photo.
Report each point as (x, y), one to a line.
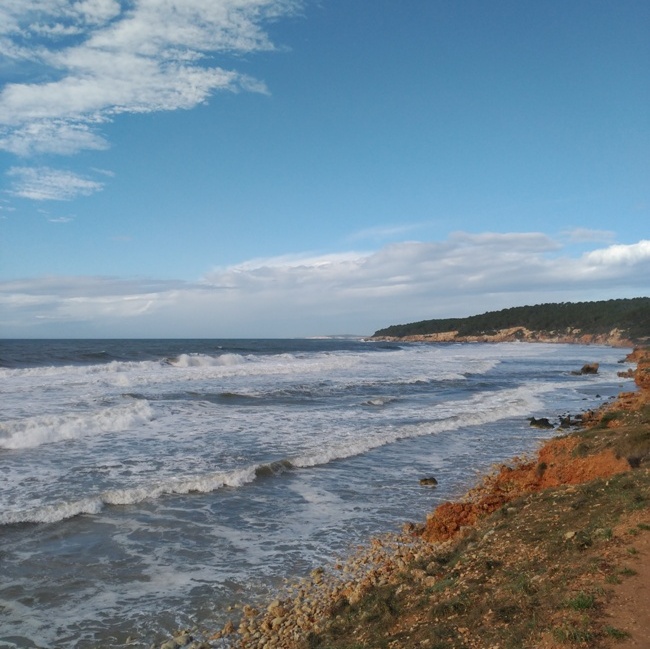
(588, 368)
(570, 420)
(428, 482)
(542, 422)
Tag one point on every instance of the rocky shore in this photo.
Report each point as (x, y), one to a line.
(531, 557)
(614, 338)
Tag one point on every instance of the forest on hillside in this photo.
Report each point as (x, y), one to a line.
(630, 316)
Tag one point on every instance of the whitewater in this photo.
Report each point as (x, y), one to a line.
(151, 485)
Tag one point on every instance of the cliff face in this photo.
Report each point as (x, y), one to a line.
(557, 464)
(520, 334)
(609, 445)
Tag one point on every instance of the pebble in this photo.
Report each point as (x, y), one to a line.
(183, 639)
(287, 622)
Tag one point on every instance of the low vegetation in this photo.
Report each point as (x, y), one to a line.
(536, 573)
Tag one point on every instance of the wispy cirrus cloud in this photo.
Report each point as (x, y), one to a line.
(64, 137)
(90, 60)
(5, 206)
(383, 232)
(61, 219)
(44, 183)
(586, 235)
(353, 292)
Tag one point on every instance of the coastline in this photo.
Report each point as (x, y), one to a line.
(613, 338)
(380, 590)
(548, 537)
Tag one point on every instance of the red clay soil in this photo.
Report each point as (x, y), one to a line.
(629, 606)
(556, 464)
(553, 467)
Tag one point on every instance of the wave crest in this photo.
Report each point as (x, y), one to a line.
(46, 429)
(203, 360)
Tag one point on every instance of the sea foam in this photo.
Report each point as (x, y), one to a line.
(129, 496)
(203, 360)
(46, 429)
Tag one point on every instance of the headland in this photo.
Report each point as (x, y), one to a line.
(612, 338)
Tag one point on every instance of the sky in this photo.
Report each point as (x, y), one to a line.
(289, 168)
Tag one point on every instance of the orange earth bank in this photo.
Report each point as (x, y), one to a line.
(556, 464)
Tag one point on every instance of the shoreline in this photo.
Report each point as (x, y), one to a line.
(516, 334)
(395, 570)
(308, 609)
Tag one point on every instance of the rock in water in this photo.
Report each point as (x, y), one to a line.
(428, 482)
(542, 422)
(588, 368)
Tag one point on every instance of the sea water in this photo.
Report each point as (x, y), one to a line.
(149, 485)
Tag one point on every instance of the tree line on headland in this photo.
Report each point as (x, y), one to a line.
(630, 318)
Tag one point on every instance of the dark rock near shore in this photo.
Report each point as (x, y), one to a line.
(588, 368)
(571, 421)
(428, 482)
(542, 422)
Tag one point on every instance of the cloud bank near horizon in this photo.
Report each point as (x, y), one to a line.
(329, 294)
(101, 58)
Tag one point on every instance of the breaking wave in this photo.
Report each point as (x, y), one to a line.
(47, 429)
(203, 360)
(128, 496)
(481, 409)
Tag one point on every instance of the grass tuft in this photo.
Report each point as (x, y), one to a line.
(628, 572)
(581, 602)
(615, 633)
(573, 634)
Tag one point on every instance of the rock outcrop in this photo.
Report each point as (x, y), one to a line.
(614, 338)
(559, 462)
(588, 368)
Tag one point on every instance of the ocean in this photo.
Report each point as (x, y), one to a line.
(150, 485)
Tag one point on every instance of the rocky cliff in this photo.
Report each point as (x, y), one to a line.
(614, 338)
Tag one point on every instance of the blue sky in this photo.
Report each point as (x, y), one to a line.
(245, 168)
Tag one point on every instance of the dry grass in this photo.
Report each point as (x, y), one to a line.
(536, 572)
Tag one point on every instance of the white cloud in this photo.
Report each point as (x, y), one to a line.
(464, 263)
(104, 57)
(620, 255)
(44, 183)
(6, 206)
(337, 293)
(50, 136)
(305, 260)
